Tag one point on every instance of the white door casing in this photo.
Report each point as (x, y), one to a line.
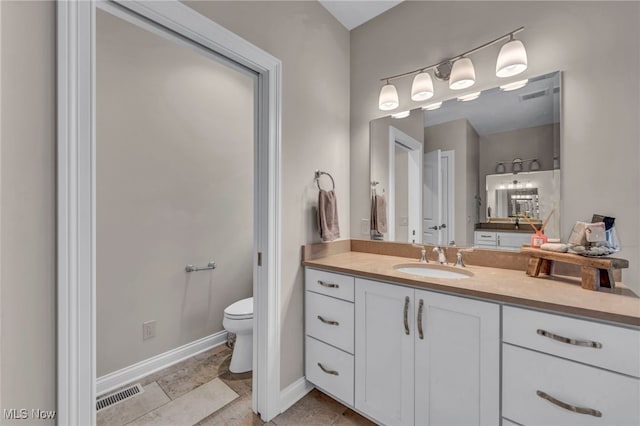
(76, 196)
(432, 202)
(398, 138)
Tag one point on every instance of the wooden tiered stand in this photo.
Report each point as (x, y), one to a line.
(596, 271)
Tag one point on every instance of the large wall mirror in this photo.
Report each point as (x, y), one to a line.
(489, 160)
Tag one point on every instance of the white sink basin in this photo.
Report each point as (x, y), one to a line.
(433, 271)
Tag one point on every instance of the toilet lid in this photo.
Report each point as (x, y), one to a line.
(241, 308)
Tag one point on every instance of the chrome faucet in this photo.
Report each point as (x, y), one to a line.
(442, 259)
(423, 253)
(459, 262)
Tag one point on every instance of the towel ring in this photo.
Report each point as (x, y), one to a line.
(319, 173)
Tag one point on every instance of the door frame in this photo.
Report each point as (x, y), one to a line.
(414, 151)
(450, 155)
(76, 197)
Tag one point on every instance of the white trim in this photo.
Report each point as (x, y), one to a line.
(126, 375)
(450, 155)
(294, 393)
(76, 197)
(415, 151)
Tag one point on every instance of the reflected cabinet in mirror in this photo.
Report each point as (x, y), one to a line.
(467, 172)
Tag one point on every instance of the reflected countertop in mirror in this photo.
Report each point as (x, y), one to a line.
(510, 137)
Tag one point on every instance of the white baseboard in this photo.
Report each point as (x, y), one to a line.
(293, 393)
(141, 369)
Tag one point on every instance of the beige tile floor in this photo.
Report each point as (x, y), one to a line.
(201, 391)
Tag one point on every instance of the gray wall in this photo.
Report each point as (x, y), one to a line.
(27, 176)
(314, 49)
(459, 137)
(174, 187)
(601, 127)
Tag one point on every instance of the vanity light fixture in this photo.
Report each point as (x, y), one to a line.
(500, 168)
(388, 99)
(432, 107)
(514, 86)
(403, 114)
(516, 165)
(512, 59)
(422, 87)
(469, 97)
(458, 70)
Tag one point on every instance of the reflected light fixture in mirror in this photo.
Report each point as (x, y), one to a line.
(463, 74)
(534, 165)
(388, 99)
(469, 97)
(512, 59)
(458, 70)
(432, 107)
(422, 87)
(403, 114)
(500, 168)
(514, 86)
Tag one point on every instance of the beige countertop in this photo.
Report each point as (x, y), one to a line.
(553, 293)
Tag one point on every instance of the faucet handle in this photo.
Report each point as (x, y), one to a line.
(459, 261)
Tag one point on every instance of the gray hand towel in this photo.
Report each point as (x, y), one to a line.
(379, 214)
(328, 215)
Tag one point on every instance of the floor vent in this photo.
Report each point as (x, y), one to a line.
(119, 396)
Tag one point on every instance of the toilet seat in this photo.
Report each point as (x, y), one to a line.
(242, 309)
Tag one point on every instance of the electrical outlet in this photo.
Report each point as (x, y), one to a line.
(148, 329)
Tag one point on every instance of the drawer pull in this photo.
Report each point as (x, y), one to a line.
(332, 372)
(569, 407)
(330, 322)
(328, 285)
(569, 341)
(406, 315)
(420, 307)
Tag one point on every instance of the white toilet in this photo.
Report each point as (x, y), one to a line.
(238, 319)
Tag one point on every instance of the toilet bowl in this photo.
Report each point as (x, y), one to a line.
(238, 319)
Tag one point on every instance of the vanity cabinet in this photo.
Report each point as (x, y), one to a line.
(566, 371)
(501, 240)
(329, 333)
(425, 358)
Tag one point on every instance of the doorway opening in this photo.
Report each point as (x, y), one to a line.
(77, 255)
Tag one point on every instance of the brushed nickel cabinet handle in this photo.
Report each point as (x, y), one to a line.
(328, 285)
(569, 407)
(420, 307)
(569, 341)
(332, 372)
(406, 315)
(330, 322)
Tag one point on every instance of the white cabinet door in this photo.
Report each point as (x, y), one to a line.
(384, 352)
(457, 365)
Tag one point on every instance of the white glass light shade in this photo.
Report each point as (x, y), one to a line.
(388, 99)
(422, 87)
(512, 59)
(462, 74)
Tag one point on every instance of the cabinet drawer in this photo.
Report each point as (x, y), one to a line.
(483, 237)
(329, 283)
(330, 369)
(531, 379)
(513, 240)
(619, 347)
(330, 320)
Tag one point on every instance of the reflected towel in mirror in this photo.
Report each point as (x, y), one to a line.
(379, 213)
(327, 215)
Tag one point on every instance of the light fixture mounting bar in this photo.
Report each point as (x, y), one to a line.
(454, 58)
